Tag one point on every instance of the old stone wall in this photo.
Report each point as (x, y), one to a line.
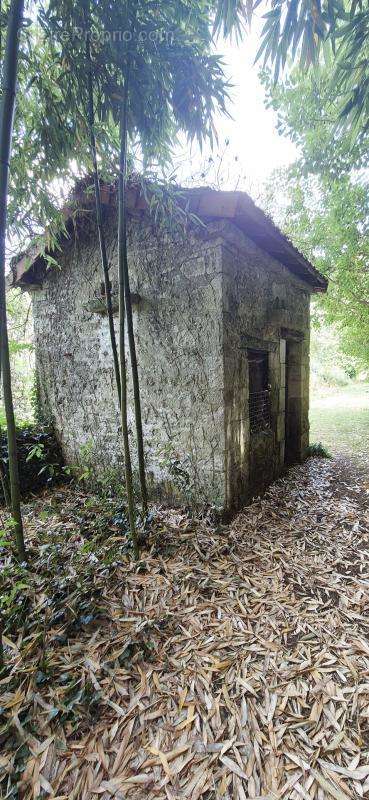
(178, 325)
(201, 301)
(263, 303)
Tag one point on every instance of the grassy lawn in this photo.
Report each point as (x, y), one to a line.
(339, 418)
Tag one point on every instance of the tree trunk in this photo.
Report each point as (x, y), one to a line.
(10, 67)
(103, 254)
(122, 268)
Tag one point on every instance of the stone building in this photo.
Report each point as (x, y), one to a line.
(221, 319)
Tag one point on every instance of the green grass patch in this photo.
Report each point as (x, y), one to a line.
(340, 420)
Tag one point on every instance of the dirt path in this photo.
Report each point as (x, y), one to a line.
(231, 663)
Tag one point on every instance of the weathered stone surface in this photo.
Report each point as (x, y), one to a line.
(252, 282)
(201, 299)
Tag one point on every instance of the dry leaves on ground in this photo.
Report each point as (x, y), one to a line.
(232, 662)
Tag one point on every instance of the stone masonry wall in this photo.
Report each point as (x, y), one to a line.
(203, 299)
(260, 297)
(178, 325)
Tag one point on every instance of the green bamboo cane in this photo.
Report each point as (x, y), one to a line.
(129, 316)
(135, 382)
(10, 68)
(122, 267)
(99, 219)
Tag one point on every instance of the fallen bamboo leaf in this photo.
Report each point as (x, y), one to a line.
(235, 661)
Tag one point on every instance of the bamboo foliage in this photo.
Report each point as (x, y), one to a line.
(6, 126)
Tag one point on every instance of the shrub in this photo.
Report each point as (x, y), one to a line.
(39, 458)
(317, 450)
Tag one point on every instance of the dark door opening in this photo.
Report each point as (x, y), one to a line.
(261, 463)
(293, 402)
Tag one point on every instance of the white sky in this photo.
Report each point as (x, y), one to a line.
(251, 129)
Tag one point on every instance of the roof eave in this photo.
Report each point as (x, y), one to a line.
(210, 204)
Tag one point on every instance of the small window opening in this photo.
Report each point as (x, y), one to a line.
(259, 391)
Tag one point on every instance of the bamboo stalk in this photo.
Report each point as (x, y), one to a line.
(122, 267)
(130, 330)
(136, 384)
(10, 68)
(99, 220)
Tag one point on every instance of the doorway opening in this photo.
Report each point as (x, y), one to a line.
(293, 406)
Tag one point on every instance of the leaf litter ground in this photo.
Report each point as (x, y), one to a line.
(230, 662)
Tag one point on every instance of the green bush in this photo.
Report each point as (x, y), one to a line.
(39, 459)
(317, 450)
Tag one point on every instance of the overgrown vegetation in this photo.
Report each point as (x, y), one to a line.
(39, 459)
(80, 542)
(7, 106)
(21, 350)
(318, 450)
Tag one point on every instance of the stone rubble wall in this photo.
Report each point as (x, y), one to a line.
(178, 326)
(260, 296)
(201, 296)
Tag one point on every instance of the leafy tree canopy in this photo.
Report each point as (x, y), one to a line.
(325, 110)
(46, 149)
(307, 110)
(177, 83)
(335, 32)
(323, 199)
